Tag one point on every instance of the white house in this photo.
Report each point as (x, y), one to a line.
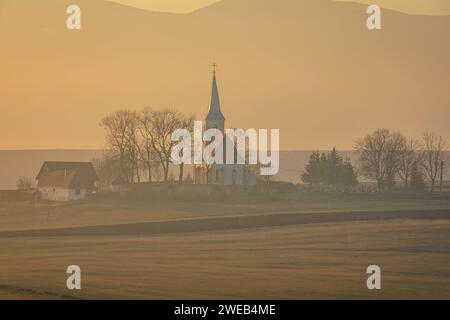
(221, 174)
(66, 181)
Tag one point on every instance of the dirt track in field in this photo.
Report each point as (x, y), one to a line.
(229, 223)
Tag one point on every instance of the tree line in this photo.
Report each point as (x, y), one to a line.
(329, 172)
(385, 157)
(139, 145)
(139, 148)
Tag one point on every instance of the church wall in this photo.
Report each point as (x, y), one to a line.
(231, 175)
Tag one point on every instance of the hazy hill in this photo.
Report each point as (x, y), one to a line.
(431, 7)
(428, 7)
(309, 67)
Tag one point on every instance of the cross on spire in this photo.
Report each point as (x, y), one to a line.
(214, 113)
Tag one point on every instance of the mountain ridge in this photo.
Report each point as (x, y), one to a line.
(328, 78)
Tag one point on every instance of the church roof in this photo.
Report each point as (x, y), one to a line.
(214, 112)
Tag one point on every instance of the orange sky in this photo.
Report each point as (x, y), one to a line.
(310, 68)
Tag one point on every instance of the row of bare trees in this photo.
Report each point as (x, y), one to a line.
(139, 144)
(387, 157)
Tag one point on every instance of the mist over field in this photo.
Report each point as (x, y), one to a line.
(26, 163)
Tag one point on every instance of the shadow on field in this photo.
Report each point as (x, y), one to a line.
(230, 223)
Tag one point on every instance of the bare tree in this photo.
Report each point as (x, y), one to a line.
(135, 150)
(140, 137)
(163, 123)
(108, 171)
(392, 159)
(410, 160)
(25, 183)
(121, 132)
(156, 172)
(380, 156)
(188, 124)
(434, 147)
(145, 130)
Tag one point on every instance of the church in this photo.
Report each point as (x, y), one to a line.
(221, 174)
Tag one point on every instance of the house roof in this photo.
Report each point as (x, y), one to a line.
(67, 174)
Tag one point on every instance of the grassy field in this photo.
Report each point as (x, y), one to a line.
(323, 253)
(28, 215)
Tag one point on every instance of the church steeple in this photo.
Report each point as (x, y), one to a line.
(215, 118)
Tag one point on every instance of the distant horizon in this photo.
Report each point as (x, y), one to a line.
(26, 163)
(17, 163)
(100, 149)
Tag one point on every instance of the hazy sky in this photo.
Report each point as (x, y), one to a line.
(434, 7)
(181, 6)
(317, 76)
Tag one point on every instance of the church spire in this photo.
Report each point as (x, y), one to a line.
(214, 112)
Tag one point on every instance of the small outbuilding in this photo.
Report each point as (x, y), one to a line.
(66, 181)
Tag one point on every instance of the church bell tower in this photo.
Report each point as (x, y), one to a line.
(215, 118)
